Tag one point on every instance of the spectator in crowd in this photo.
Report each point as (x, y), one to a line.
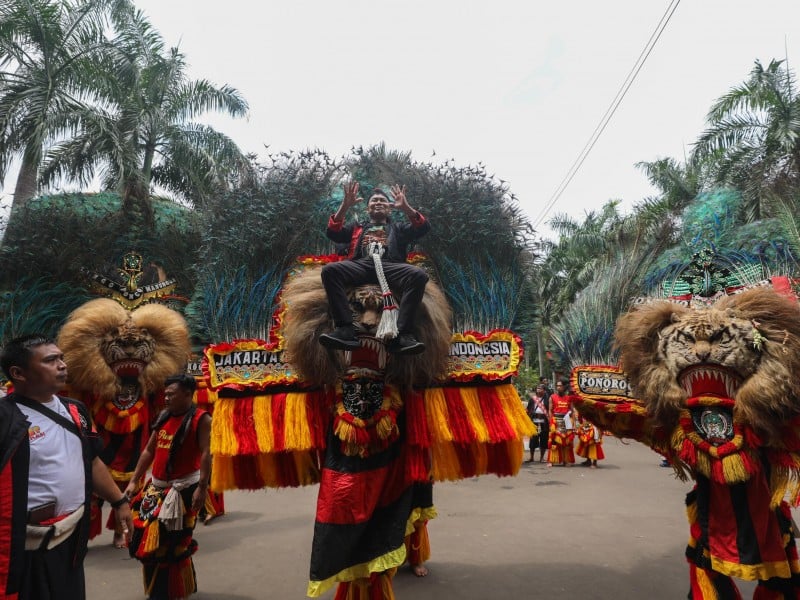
(539, 413)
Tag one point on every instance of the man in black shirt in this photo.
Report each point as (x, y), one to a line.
(358, 269)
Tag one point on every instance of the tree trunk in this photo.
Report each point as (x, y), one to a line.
(25, 188)
(540, 348)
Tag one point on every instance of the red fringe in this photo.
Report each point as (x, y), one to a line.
(750, 465)
(415, 464)
(317, 407)
(688, 453)
(417, 432)
(279, 421)
(466, 460)
(177, 579)
(494, 415)
(377, 587)
(462, 429)
(782, 459)
(751, 439)
(717, 474)
(243, 426)
(246, 473)
(500, 459)
(287, 470)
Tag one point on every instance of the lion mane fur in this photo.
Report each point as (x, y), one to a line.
(306, 318)
(81, 338)
(769, 392)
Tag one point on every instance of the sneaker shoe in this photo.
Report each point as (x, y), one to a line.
(405, 343)
(341, 338)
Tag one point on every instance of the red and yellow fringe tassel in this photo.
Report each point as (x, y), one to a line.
(469, 431)
(115, 420)
(364, 437)
(378, 586)
(272, 440)
(418, 544)
(277, 440)
(204, 396)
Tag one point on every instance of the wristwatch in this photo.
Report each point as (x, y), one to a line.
(118, 503)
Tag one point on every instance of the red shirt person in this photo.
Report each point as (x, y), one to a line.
(165, 510)
(562, 434)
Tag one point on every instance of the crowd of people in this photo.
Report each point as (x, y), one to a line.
(558, 425)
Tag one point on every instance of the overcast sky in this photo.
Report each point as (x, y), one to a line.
(518, 86)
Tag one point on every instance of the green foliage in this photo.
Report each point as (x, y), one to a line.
(37, 306)
(584, 333)
(57, 236)
(144, 131)
(270, 220)
(526, 381)
(753, 138)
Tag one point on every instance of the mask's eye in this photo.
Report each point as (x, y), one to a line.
(720, 337)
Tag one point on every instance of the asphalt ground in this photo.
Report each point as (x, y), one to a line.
(618, 531)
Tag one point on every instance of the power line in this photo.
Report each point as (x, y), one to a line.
(626, 84)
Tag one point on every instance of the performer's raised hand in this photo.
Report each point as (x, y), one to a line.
(401, 202)
(399, 195)
(351, 198)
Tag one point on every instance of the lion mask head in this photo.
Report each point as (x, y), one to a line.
(307, 318)
(745, 347)
(114, 353)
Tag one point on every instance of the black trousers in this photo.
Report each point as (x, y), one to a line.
(406, 281)
(55, 574)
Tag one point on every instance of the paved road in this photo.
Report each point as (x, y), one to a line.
(616, 532)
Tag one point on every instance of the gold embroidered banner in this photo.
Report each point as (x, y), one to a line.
(495, 355)
(246, 364)
(601, 382)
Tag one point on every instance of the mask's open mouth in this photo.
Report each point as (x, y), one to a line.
(709, 379)
(128, 368)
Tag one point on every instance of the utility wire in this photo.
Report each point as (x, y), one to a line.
(584, 153)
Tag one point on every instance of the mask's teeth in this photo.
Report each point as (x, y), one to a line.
(382, 357)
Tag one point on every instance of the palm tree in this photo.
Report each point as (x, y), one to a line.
(753, 138)
(145, 136)
(48, 73)
(678, 183)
